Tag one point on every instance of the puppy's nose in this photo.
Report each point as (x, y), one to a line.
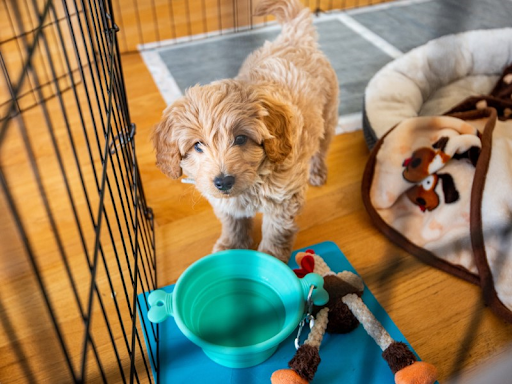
(224, 183)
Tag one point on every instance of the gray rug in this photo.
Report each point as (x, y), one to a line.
(358, 43)
(354, 59)
(413, 25)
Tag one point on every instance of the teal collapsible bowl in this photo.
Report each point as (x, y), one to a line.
(237, 305)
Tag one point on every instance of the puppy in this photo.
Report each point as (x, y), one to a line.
(252, 143)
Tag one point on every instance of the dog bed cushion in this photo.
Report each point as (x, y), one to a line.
(433, 78)
(439, 176)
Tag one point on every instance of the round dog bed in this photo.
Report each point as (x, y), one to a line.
(433, 78)
(438, 178)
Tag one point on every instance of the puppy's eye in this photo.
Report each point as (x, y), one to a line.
(240, 140)
(197, 147)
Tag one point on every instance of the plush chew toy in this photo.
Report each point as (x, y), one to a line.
(343, 313)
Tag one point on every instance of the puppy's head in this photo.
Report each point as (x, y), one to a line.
(221, 134)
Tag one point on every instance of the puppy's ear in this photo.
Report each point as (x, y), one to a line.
(277, 121)
(168, 156)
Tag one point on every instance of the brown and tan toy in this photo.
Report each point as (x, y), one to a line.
(343, 313)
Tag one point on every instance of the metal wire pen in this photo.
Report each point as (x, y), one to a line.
(67, 97)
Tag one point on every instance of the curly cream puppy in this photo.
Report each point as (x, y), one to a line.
(252, 143)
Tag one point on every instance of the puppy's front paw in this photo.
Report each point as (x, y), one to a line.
(282, 254)
(317, 172)
(219, 246)
(223, 244)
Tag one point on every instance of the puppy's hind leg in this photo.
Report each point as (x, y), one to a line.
(236, 232)
(318, 167)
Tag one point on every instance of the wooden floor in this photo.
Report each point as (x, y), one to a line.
(441, 316)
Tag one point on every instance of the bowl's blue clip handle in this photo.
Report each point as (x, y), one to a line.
(161, 306)
(320, 295)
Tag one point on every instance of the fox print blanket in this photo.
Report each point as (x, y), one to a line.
(441, 188)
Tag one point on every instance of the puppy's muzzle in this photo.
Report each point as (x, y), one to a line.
(224, 183)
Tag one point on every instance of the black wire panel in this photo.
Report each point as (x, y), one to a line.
(76, 237)
(145, 24)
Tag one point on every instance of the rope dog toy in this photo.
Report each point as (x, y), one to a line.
(342, 314)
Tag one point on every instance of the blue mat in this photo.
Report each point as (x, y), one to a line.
(352, 358)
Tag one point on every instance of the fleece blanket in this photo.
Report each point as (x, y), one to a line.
(441, 187)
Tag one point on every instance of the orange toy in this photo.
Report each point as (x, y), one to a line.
(343, 313)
